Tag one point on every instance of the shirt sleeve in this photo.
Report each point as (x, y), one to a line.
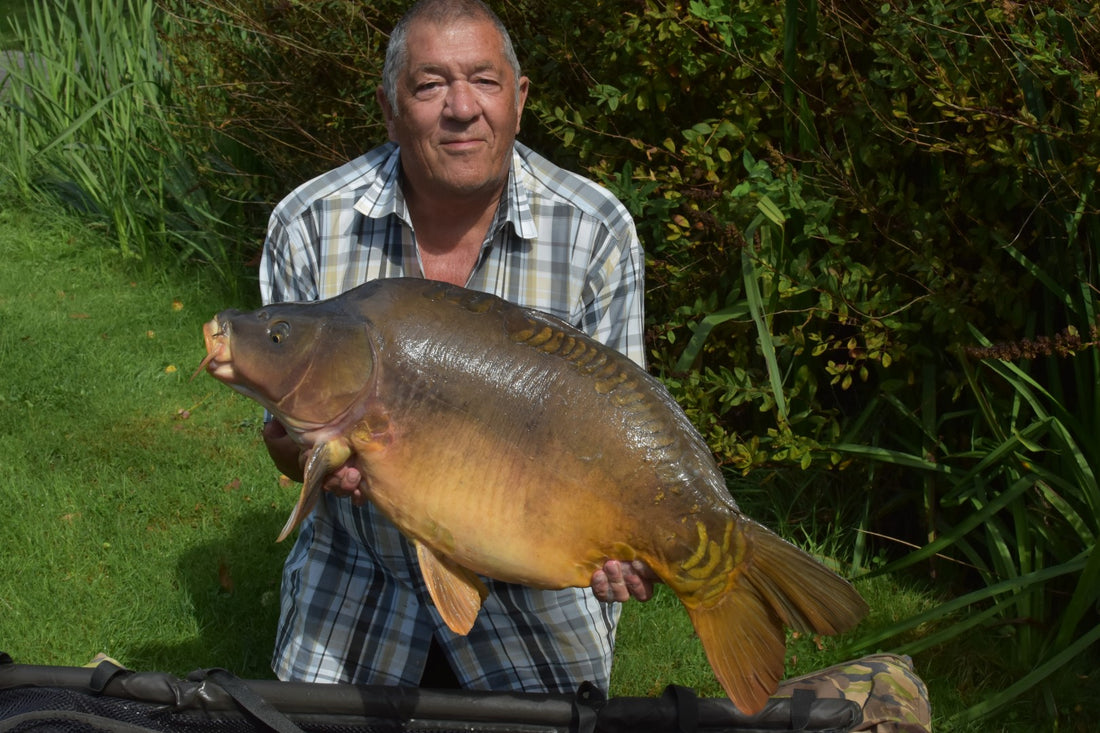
(288, 269)
(614, 297)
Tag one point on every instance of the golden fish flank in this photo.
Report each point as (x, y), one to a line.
(449, 400)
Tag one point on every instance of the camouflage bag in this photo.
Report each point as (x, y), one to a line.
(893, 698)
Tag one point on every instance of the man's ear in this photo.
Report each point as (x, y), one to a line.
(387, 111)
(521, 100)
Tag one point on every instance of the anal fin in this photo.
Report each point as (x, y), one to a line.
(456, 591)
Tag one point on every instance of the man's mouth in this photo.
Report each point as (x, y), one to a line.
(462, 144)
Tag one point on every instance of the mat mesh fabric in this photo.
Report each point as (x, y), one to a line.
(59, 710)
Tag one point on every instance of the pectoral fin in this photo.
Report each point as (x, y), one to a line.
(324, 459)
(457, 592)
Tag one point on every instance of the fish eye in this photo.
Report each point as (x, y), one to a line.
(278, 331)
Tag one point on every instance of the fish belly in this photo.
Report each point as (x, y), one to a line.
(499, 509)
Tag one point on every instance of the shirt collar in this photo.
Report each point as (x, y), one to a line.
(517, 201)
(383, 196)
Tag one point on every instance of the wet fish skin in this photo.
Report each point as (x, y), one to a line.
(503, 442)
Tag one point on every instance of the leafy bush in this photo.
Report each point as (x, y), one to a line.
(270, 94)
(899, 153)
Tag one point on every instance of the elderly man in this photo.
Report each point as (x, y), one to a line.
(451, 197)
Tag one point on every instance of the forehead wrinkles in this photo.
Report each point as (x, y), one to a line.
(437, 69)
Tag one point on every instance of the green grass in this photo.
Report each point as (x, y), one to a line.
(17, 10)
(138, 510)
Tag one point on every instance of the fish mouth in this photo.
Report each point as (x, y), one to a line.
(218, 360)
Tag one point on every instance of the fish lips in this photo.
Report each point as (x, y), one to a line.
(218, 360)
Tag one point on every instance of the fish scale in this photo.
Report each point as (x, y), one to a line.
(505, 443)
(609, 378)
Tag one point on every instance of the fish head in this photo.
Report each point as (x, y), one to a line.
(309, 364)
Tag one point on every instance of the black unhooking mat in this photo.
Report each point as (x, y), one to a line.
(110, 699)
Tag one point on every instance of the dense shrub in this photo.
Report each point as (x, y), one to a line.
(273, 93)
(904, 156)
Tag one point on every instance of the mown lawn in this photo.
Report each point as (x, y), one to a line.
(138, 510)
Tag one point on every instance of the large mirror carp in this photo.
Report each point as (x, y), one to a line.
(504, 442)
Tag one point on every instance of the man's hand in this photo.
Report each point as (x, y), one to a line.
(620, 581)
(290, 459)
(285, 453)
(347, 482)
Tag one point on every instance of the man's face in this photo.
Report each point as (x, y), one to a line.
(457, 110)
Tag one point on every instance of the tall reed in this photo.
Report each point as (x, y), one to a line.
(86, 120)
(1017, 497)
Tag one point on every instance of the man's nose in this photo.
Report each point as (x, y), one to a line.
(462, 102)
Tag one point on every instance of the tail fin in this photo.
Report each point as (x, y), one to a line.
(744, 643)
(805, 594)
(742, 631)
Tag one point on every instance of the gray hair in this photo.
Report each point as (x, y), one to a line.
(439, 12)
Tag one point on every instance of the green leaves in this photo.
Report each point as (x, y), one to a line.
(844, 193)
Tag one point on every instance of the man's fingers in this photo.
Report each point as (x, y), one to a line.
(620, 581)
(608, 585)
(617, 588)
(345, 481)
(600, 586)
(638, 580)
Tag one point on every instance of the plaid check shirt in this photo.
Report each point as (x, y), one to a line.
(353, 605)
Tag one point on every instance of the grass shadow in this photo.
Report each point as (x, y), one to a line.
(232, 584)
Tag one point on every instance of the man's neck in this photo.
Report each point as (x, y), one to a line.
(449, 234)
